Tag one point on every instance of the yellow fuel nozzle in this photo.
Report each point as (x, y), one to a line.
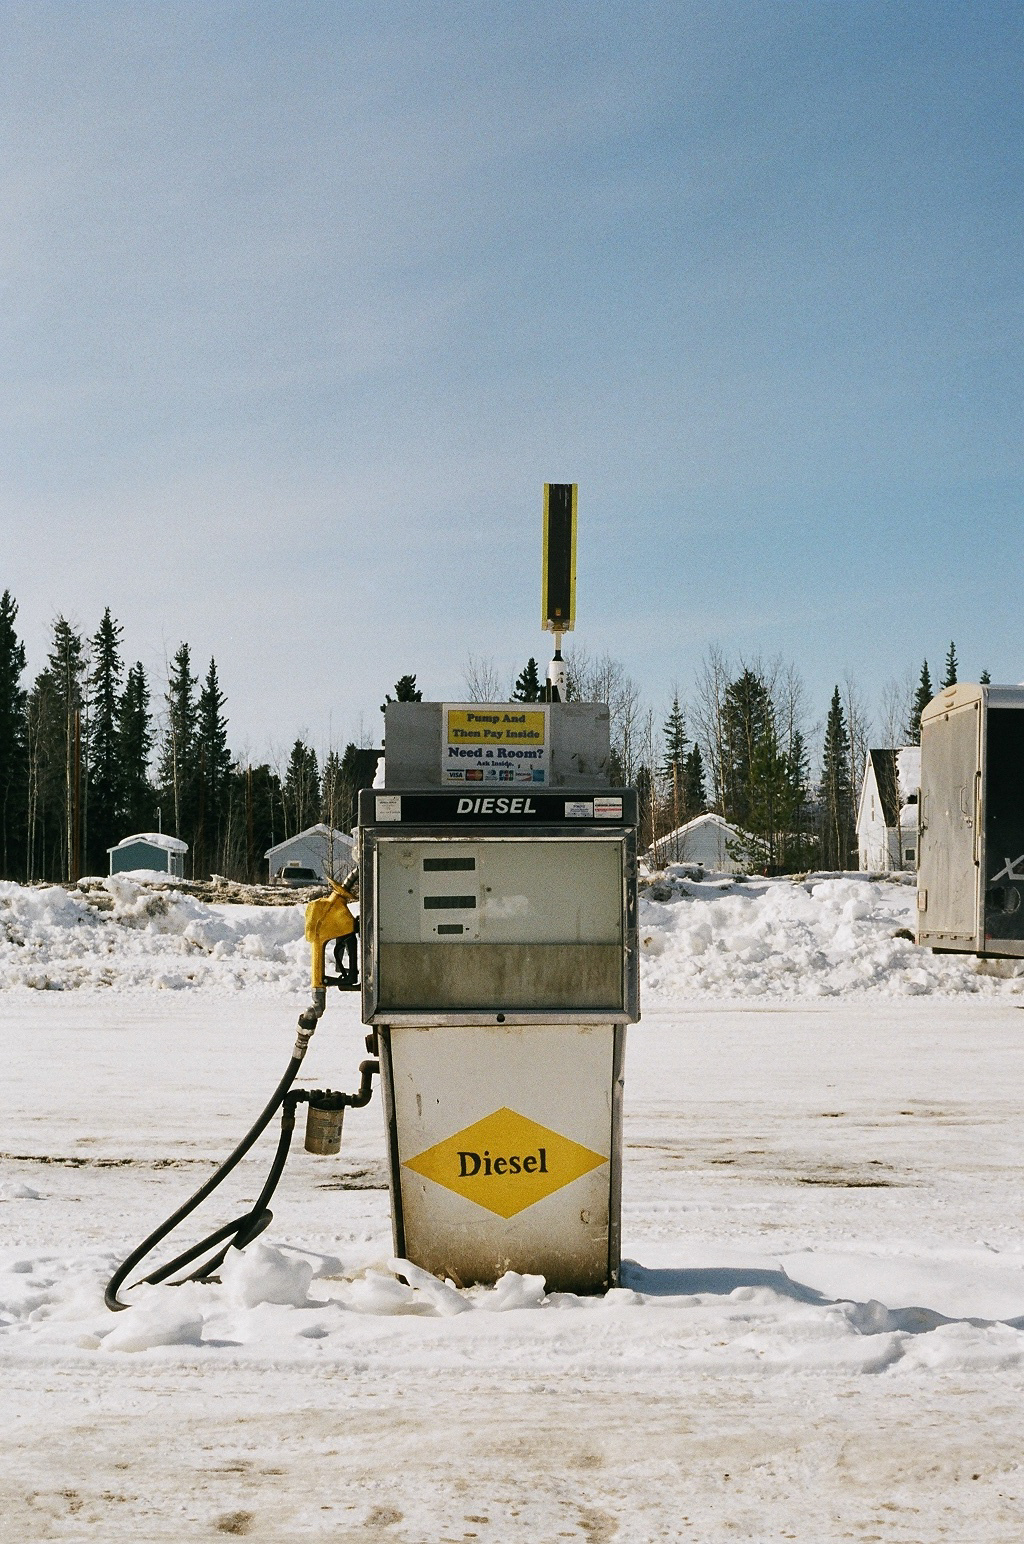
(326, 919)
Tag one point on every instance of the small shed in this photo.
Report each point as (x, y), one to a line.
(705, 840)
(321, 852)
(887, 812)
(149, 850)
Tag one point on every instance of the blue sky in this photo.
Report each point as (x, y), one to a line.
(301, 305)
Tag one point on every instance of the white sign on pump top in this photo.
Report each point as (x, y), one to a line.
(496, 743)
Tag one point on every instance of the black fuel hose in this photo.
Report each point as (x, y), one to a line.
(251, 1224)
(243, 1230)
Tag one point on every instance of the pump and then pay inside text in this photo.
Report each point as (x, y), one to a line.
(505, 1162)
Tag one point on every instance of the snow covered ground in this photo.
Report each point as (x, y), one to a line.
(820, 1335)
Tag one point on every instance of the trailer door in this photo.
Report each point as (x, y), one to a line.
(947, 871)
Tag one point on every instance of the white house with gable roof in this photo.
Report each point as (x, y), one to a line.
(706, 840)
(887, 814)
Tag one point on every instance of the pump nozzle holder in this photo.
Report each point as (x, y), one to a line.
(326, 919)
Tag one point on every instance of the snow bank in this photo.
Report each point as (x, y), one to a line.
(825, 937)
(125, 935)
(269, 1302)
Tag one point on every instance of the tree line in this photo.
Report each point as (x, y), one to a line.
(747, 753)
(87, 757)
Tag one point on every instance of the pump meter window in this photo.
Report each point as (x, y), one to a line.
(500, 923)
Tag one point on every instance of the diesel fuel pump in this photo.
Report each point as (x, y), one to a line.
(500, 970)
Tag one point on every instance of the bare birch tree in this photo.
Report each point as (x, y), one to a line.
(605, 679)
(858, 727)
(708, 717)
(897, 707)
(482, 681)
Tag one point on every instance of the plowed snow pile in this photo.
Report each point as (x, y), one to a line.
(127, 935)
(824, 937)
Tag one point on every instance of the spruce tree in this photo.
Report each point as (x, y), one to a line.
(673, 768)
(301, 790)
(949, 679)
(256, 795)
(527, 686)
(332, 795)
(405, 691)
(104, 769)
(358, 768)
(984, 679)
(795, 843)
(177, 770)
(136, 802)
(922, 697)
(750, 749)
(13, 744)
(66, 669)
(212, 772)
(693, 782)
(836, 790)
(44, 736)
(768, 817)
(643, 782)
(351, 782)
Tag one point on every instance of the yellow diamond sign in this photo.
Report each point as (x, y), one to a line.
(505, 1162)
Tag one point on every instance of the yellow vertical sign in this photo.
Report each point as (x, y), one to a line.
(558, 580)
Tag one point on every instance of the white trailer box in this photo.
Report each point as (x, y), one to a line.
(971, 843)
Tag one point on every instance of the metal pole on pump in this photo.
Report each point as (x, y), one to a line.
(558, 582)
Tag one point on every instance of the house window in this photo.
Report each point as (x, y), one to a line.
(908, 854)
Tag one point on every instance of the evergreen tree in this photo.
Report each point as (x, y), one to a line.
(104, 770)
(66, 669)
(255, 801)
(922, 697)
(332, 791)
(405, 691)
(527, 686)
(796, 843)
(750, 748)
(45, 733)
(768, 808)
(177, 769)
(212, 770)
(301, 790)
(643, 782)
(673, 768)
(13, 745)
(136, 803)
(949, 679)
(358, 769)
(836, 790)
(353, 778)
(693, 782)
(984, 679)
